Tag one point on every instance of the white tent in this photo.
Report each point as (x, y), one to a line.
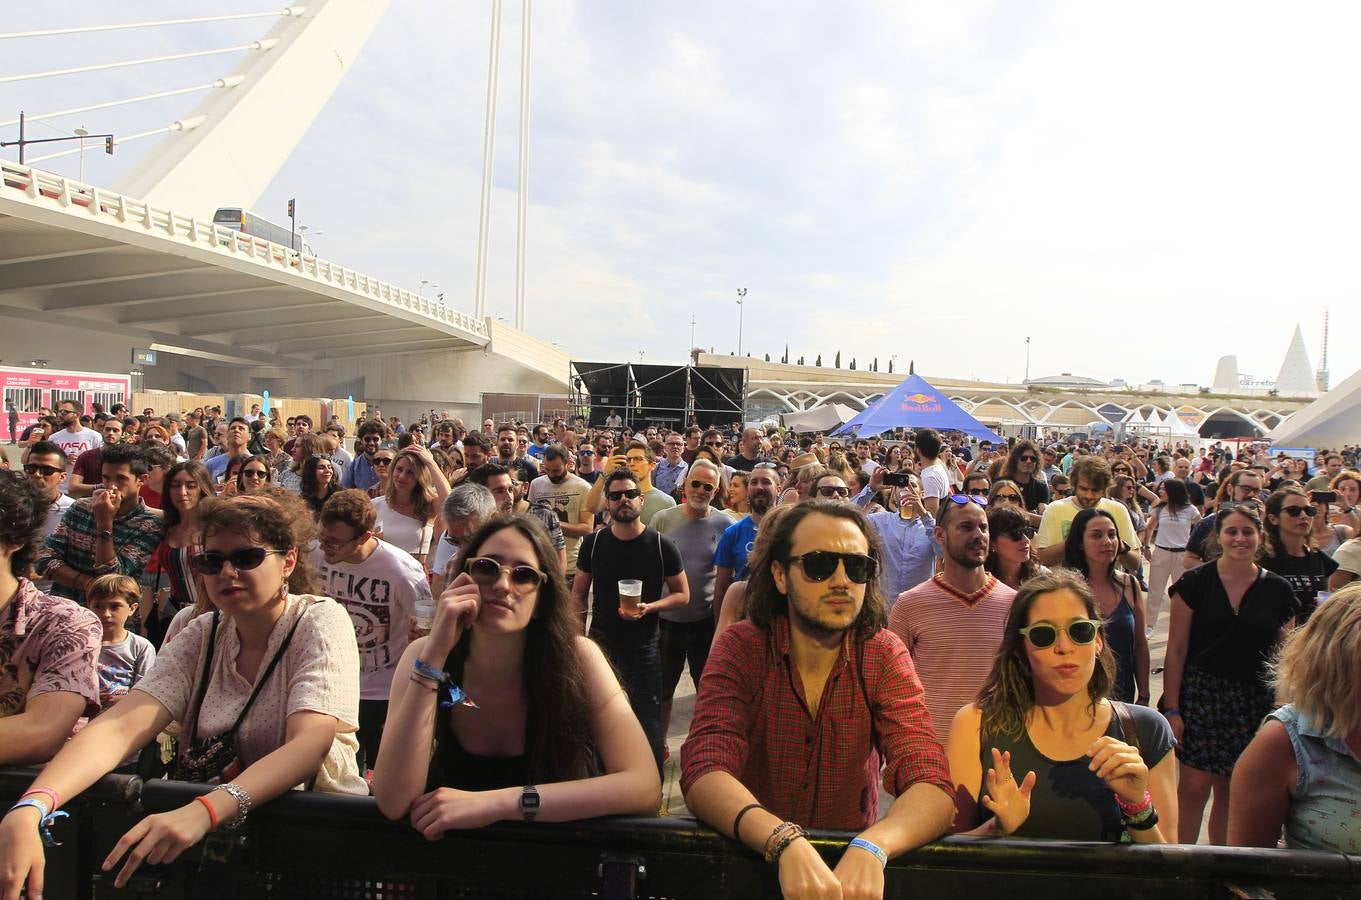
(823, 418)
(1135, 419)
(1177, 425)
(1330, 421)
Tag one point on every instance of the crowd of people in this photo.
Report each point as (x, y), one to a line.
(475, 625)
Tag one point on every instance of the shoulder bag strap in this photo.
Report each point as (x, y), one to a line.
(269, 670)
(204, 678)
(1127, 725)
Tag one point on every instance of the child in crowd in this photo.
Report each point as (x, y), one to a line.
(124, 657)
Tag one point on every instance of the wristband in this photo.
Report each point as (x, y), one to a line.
(868, 847)
(212, 816)
(1144, 824)
(1133, 809)
(48, 792)
(45, 820)
(737, 822)
(1169, 713)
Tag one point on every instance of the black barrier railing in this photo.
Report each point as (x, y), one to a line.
(306, 846)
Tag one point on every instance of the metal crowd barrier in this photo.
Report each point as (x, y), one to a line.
(306, 846)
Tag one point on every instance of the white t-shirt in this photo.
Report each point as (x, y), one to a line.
(401, 530)
(73, 445)
(566, 501)
(380, 594)
(935, 481)
(54, 514)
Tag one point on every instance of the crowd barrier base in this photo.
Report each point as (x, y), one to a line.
(306, 846)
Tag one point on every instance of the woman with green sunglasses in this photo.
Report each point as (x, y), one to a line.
(1043, 752)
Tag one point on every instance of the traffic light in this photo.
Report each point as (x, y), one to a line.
(291, 208)
(108, 144)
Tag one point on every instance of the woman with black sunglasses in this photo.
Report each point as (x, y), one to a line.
(1043, 752)
(1290, 552)
(1010, 552)
(267, 692)
(254, 475)
(505, 711)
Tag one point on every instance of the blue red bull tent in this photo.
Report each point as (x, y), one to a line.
(915, 404)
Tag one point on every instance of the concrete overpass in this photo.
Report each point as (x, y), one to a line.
(88, 274)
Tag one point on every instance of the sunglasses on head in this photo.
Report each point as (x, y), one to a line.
(698, 485)
(210, 562)
(39, 469)
(819, 565)
(631, 494)
(487, 571)
(962, 499)
(1043, 635)
(1019, 533)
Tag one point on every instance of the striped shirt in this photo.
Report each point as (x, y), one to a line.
(135, 537)
(953, 638)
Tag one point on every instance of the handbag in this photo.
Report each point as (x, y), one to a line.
(216, 760)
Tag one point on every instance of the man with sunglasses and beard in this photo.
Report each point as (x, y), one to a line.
(628, 631)
(763, 759)
(952, 624)
(695, 527)
(730, 557)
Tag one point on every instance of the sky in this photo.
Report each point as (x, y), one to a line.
(1137, 189)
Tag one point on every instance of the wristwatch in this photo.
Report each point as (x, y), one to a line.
(529, 802)
(100, 535)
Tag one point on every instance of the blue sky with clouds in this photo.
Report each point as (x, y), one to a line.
(1139, 189)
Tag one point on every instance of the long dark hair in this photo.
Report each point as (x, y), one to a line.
(1002, 519)
(25, 512)
(1075, 556)
(1274, 504)
(1008, 696)
(309, 479)
(559, 744)
(1178, 498)
(765, 601)
(202, 477)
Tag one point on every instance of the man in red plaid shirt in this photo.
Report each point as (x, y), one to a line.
(801, 702)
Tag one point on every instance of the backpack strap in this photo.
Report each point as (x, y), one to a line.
(1126, 719)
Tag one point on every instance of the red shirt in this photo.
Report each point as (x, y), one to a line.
(751, 721)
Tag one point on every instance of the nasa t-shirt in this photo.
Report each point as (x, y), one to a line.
(380, 595)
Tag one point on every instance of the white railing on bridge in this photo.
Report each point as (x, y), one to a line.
(38, 185)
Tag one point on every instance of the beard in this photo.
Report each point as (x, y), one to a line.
(967, 556)
(627, 514)
(699, 505)
(760, 502)
(817, 622)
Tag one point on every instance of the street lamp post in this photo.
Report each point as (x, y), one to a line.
(1027, 359)
(82, 133)
(741, 295)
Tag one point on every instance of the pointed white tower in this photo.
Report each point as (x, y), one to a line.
(1297, 375)
(1226, 375)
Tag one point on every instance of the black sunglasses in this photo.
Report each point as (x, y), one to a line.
(254, 473)
(819, 565)
(211, 562)
(1043, 635)
(382, 460)
(831, 490)
(1016, 534)
(977, 492)
(701, 486)
(631, 494)
(1029, 457)
(39, 469)
(486, 571)
(1299, 511)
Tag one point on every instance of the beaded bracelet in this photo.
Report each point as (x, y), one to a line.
(1131, 809)
(784, 834)
(783, 845)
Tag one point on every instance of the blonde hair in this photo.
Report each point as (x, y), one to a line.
(423, 494)
(113, 586)
(1319, 665)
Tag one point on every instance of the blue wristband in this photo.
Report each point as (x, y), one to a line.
(45, 822)
(871, 848)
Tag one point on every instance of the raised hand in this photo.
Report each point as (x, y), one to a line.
(1005, 798)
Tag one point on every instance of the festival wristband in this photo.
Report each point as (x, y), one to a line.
(1169, 713)
(48, 792)
(1133, 809)
(868, 847)
(45, 820)
(453, 694)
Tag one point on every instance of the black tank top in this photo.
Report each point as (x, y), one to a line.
(454, 767)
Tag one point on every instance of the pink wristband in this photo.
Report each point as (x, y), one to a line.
(47, 792)
(1133, 809)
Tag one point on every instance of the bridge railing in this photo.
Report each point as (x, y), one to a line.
(328, 846)
(39, 186)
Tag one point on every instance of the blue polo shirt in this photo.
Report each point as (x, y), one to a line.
(735, 546)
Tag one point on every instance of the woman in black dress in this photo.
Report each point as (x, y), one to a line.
(1289, 550)
(1227, 617)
